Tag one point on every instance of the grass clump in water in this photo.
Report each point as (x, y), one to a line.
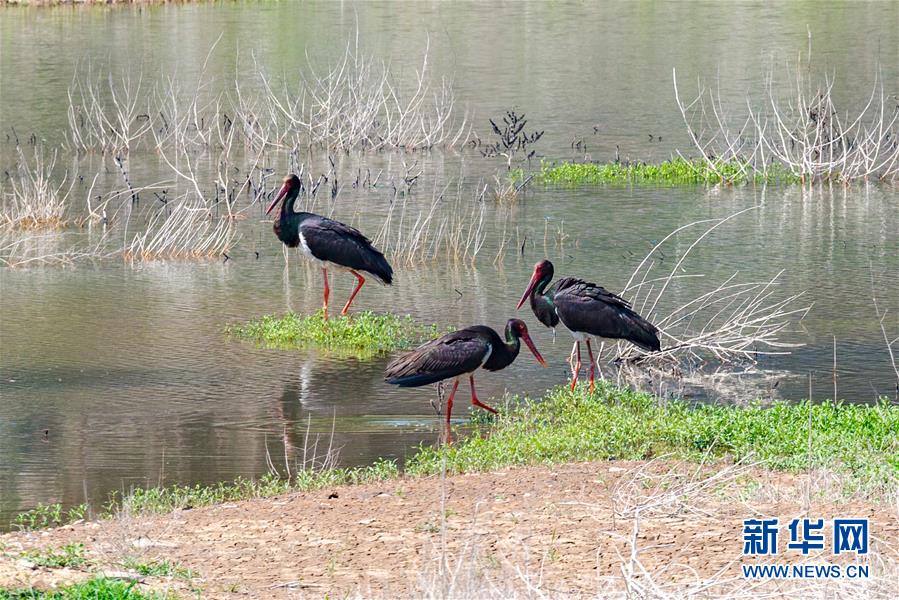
(859, 441)
(98, 588)
(363, 335)
(677, 171)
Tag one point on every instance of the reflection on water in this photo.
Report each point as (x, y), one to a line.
(115, 376)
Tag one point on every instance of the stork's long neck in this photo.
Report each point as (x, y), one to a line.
(542, 303)
(286, 208)
(512, 345)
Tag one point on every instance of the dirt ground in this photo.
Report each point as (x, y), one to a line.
(576, 530)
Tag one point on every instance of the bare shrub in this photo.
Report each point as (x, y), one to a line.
(357, 103)
(796, 128)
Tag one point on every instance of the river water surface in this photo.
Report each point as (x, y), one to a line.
(115, 375)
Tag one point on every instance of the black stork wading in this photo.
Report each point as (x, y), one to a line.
(586, 309)
(461, 353)
(327, 243)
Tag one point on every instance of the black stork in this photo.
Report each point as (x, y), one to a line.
(460, 353)
(327, 243)
(586, 309)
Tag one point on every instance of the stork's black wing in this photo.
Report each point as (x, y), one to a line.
(448, 356)
(341, 244)
(586, 307)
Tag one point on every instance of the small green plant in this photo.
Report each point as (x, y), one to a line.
(157, 568)
(677, 171)
(69, 556)
(98, 588)
(362, 335)
(48, 515)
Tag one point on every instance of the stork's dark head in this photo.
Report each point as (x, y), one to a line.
(290, 189)
(543, 274)
(516, 329)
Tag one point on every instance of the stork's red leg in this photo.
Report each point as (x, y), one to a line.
(449, 412)
(359, 284)
(474, 397)
(449, 402)
(327, 292)
(576, 369)
(592, 366)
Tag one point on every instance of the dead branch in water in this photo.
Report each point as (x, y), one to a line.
(36, 200)
(187, 231)
(732, 321)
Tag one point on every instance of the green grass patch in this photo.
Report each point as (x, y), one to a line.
(362, 335)
(677, 171)
(70, 556)
(857, 440)
(157, 568)
(98, 588)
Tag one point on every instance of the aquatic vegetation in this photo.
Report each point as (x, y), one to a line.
(677, 171)
(363, 335)
(93, 589)
(511, 139)
(450, 228)
(856, 440)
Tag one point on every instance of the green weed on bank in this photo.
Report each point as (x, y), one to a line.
(98, 588)
(860, 441)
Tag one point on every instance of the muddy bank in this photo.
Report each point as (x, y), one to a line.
(569, 530)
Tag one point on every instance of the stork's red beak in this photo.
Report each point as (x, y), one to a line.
(532, 348)
(527, 292)
(284, 189)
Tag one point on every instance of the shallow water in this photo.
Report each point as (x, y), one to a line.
(114, 375)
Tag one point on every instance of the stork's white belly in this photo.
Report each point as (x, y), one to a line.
(486, 356)
(578, 335)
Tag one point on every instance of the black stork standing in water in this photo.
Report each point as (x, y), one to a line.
(327, 243)
(461, 353)
(586, 309)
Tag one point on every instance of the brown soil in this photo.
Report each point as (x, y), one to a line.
(566, 530)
